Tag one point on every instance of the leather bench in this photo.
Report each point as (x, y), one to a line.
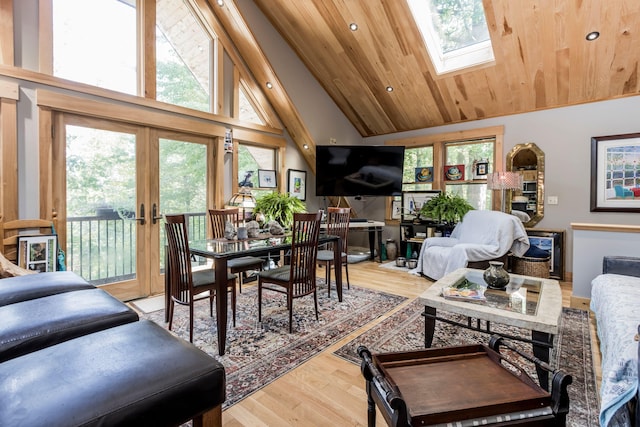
(37, 323)
(31, 286)
(134, 374)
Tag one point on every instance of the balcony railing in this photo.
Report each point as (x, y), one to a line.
(102, 249)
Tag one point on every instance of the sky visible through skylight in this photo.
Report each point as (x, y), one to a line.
(455, 32)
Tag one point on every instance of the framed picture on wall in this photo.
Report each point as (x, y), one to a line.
(38, 253)
(267, 178)
(297, 183)
(551, 241)
(615, 173)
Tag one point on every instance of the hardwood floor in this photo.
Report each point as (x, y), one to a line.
(327, 390)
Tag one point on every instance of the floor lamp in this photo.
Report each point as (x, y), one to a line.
(504, 181)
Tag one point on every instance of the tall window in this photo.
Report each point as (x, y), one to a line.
(246, 111)
(251, 158)
(183, 51)
(463, 157)
(94, 42)
(418, 169)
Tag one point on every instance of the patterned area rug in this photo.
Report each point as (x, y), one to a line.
(259, 353)
(405, 331)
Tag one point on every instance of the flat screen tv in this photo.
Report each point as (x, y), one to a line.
(359, 170)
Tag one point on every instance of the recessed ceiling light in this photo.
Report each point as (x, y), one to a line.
(593, 35)
(389, 88)
(269, 85)
(305, 146)
(220, 3)
(353, 26)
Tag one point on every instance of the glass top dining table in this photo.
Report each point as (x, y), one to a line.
(222, 250)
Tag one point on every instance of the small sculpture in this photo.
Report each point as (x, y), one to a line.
(229, 231)
(275, 228)
(253, 228)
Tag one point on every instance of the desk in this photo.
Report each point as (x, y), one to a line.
(373, 228)
(222, 250)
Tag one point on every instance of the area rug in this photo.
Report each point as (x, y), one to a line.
(258, 353)
(405, 331)
(391, 265)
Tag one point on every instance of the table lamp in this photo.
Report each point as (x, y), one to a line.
(245, 201)
(504, 181)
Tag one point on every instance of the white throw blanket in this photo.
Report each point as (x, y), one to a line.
(480, 236)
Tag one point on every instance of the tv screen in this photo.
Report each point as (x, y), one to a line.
(359, 170)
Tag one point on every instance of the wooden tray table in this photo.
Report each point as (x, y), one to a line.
(455, 383)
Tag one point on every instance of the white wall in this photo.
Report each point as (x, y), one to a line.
(564, 134)
(588, 250)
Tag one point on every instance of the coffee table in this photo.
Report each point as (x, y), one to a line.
(527, 302)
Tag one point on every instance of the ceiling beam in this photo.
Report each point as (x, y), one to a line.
(238, 31)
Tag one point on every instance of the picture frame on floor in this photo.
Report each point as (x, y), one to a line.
(551, 241)
(38, 253)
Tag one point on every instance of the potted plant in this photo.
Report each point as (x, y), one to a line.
(279, 207)
(446, 208)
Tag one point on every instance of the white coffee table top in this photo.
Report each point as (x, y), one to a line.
(544, 295)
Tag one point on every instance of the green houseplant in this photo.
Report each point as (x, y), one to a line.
(449, 208)
(279, 207)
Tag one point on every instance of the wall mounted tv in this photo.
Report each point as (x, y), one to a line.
(359, 170)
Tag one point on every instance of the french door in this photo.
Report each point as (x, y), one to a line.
(119, 180)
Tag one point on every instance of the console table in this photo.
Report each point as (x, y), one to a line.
(373, 228)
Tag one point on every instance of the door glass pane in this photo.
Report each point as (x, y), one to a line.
(183, 186)
(101, 204)
(94, 42)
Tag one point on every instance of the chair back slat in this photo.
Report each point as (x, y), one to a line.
(179, 258)
(219, 219)
(338, 224)
(304, 251)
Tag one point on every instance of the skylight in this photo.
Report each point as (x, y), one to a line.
(454, 31)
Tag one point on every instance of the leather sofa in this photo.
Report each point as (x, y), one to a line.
(72, 355)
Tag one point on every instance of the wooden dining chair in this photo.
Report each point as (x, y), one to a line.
(186, 285)
(219, 219)
(337, 225)
(298, 278)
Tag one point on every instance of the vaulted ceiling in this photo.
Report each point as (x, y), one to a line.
(542, 59)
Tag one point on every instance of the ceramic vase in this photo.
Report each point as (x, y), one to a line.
(392, 249)
(496, 276)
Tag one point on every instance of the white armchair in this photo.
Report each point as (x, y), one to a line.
(480, 236)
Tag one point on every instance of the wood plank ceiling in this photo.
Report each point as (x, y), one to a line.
(542, 59)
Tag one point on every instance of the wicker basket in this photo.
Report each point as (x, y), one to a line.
(527, 266)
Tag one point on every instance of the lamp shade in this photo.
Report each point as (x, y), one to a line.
(244, 200)
(504, 181)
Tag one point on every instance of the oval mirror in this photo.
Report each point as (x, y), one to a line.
(528, 203)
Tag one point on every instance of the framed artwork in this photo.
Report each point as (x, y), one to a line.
(297, 183)
(454, 172)
(481, 169)
(551, 241)
(615, 173)
(396, 209)
(412, 202)
(267, 178)
(38, 253)
(424, 174)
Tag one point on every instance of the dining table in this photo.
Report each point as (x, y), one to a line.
(222, 250)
